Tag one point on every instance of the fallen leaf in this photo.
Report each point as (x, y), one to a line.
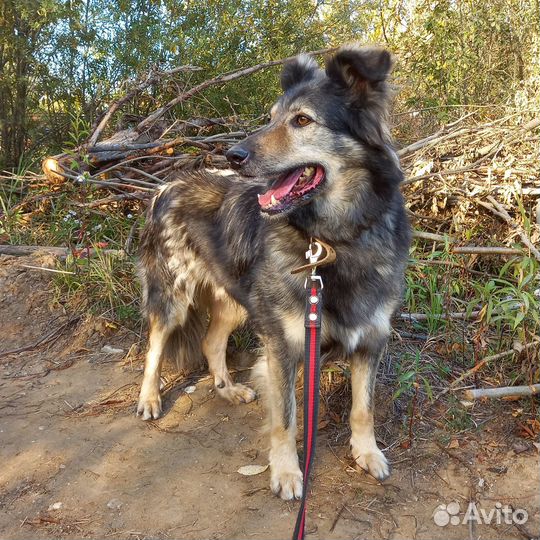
(252, 470)
(322, 424)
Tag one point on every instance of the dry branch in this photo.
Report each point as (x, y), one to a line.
(441, 316)
(60, 252)
(152, 78)
(220, 79)
(152, 140)
(482, 363)
(502, 392)
(486, 250)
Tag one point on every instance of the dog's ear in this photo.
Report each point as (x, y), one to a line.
(300, 69)
(360, 73)
(359, 69)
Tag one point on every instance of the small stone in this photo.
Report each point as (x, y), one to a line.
(114, 504)
(55, 506)
(190, 389)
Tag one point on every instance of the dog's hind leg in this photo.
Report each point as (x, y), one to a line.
(278, 370)
(225, 316)
(149, 405)
(364, 448)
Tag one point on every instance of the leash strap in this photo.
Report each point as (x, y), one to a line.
(312, 323)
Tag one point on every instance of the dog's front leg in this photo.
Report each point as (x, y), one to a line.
(286, 477)
(364, 448)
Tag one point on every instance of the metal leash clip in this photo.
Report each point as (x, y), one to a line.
(318, 254)
(313, 258)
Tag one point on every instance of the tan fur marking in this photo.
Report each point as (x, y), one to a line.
(364, 447)
(276, 140)
(149, 405)
(225, 316)
(285, 474)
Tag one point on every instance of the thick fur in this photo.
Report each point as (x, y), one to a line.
(208, 249)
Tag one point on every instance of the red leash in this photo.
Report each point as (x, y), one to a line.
(312, 323)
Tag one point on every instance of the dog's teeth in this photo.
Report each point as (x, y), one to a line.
(273, 201)
(259, 197)
(308, 171)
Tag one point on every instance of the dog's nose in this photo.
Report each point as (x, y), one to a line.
(237, 156)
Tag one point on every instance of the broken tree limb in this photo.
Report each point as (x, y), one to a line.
(486, 250)
(494, 148)
(436, 138)
(152, 78)
(441, 316)
(501, 392)
(60, 252)
(432, 236)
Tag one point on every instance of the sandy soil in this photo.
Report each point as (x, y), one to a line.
(77, 463)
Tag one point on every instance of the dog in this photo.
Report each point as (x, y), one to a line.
(221, 247)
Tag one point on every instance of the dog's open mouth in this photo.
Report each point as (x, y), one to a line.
(292, 187)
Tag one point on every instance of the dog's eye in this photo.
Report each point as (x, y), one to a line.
(302, 120)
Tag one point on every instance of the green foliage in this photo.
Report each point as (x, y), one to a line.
(64, 60)
(508, 303)
(469, 52)
(413, 372)
(105, 285)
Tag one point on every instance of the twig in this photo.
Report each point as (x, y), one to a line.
(443, 316)
(60, 252)
(481, 364)
(47, 269)
(150, 79)
(432, 236)
(503, 391)
(436, 138)
(111, 199)
(486, 250)
(45, 339)
(220, 79)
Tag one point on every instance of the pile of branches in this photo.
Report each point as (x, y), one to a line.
(138, 159)
(472, 175)
(466, 171)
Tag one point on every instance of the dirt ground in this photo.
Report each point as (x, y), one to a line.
(77, 463)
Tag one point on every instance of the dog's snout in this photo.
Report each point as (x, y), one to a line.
(237, 156)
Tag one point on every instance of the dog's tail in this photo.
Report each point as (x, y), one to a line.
(183, 347)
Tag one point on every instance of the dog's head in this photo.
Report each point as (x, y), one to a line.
(326, 123)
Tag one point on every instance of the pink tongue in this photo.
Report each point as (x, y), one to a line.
(282, 190)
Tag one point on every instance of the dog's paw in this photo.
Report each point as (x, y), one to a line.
(286, 484)
(149, 405)
(373, 462)
(237, 393)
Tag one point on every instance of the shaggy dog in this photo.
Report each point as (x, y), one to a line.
(221, 247)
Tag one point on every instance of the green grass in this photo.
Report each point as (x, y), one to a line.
(105, 285)
(507, 297)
